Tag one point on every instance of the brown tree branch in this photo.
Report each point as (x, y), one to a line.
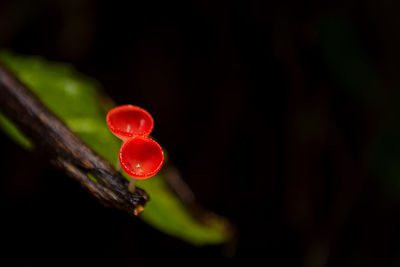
(67, 150)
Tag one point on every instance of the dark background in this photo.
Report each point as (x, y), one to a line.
(281, 115)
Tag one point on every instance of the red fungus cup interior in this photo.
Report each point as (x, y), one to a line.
(128, 121)
(141, 157)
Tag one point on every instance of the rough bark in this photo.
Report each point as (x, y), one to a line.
(65, 148)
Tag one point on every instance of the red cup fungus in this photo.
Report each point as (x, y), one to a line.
(128, 121)
(141, 157)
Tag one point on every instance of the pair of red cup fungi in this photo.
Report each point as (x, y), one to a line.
(140, 156)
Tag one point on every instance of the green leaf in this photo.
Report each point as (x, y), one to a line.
(75, 99)
(14, 133)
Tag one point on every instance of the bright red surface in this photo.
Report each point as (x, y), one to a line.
(141, 157)
(128, 121)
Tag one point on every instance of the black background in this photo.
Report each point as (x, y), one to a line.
(281, 116)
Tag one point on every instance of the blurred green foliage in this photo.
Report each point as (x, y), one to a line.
(75, 99)
(348, 60)
(359, 80)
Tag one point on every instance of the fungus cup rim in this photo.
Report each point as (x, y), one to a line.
(127, 135)
(128, 170)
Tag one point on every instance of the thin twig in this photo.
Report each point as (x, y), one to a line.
(67, 150)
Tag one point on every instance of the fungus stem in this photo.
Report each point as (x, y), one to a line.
(118, 166)
(132, 185)
(132, 182)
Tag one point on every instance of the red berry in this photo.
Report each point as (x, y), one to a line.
(141, 157)
(128, 121)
